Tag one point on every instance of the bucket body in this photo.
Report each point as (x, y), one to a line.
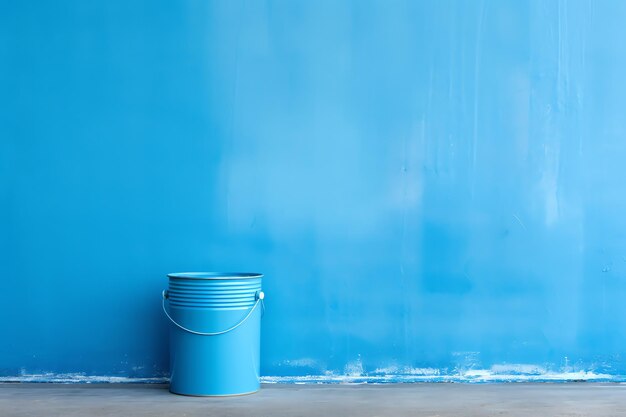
(226, 307)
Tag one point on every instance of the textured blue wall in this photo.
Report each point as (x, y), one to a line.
(429, 186)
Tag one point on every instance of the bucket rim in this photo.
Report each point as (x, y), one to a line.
(215, 275)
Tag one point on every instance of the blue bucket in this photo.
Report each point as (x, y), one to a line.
(215, 332)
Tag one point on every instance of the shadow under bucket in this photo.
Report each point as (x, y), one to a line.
(215, 332)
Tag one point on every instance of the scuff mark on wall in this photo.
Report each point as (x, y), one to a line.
(413, 375)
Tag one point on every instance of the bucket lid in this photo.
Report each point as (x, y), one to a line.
(215, 275)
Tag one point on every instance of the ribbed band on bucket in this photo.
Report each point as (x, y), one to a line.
(231, 293)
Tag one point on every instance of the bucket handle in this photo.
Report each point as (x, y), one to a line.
(259, 296)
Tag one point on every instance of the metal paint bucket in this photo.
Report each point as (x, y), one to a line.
(215, 332)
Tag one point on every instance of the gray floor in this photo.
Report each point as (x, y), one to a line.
(578, 399)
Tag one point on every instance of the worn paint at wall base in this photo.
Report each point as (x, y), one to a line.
(493, 375)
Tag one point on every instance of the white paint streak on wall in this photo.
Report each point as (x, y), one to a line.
(474, 376)
(354, 368)
(549, 184)
(73, 378)
(497, 373)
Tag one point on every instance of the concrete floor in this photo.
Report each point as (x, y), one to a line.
(537, 400)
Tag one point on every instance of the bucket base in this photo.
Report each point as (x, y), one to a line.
(215, 395)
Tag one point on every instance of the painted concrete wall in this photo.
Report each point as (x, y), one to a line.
(431, 187)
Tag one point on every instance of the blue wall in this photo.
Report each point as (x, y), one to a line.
(429, 186)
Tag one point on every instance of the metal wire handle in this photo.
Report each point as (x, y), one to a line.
(259, 295)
